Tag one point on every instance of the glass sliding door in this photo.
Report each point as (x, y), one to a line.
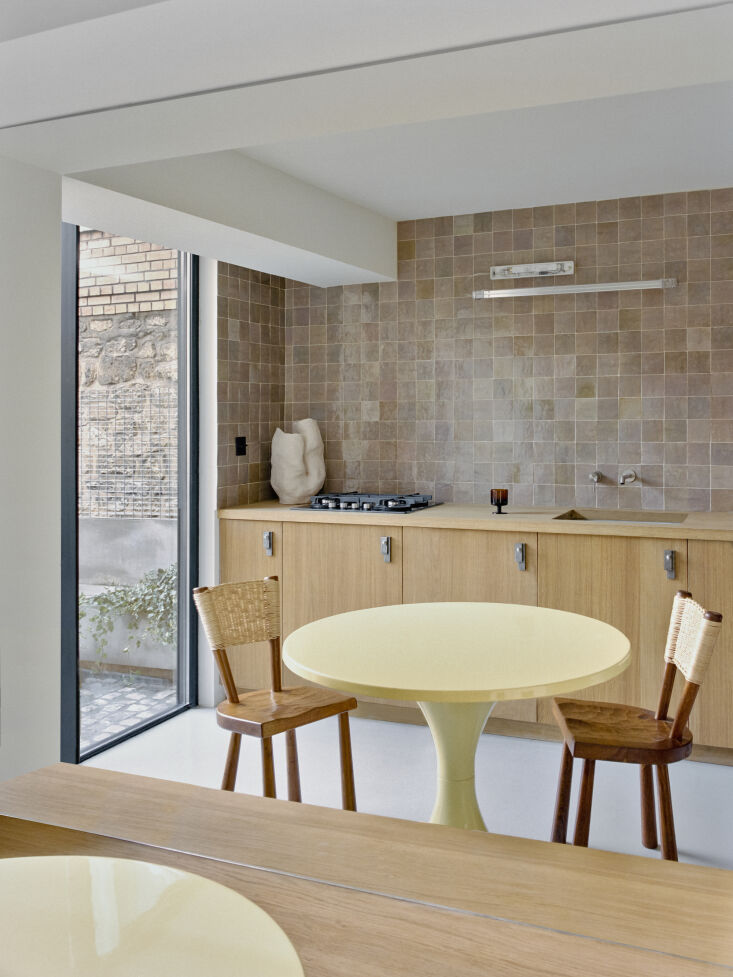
(134, 494)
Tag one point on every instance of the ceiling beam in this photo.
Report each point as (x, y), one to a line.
(238, 210)
(666, 52)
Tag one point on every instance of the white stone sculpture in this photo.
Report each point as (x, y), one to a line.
(298, 466)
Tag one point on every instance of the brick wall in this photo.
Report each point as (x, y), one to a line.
(128, 369)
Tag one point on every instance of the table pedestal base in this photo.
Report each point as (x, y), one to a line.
(456, 727)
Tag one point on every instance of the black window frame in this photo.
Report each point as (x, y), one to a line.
(188, 513)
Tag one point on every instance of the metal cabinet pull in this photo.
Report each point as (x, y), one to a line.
(670, 564)
(267, 538)
(520, 555)
(385, 547)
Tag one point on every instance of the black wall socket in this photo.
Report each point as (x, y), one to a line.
(240, 446)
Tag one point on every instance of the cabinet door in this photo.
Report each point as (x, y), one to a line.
(331, 569)
(242, 556)
(460, 564)
(622, 581)
(710, 575)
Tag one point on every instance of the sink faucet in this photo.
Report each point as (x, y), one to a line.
(628, 476)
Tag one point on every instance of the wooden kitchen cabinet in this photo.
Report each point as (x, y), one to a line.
(471, 565)
(242, 556)
(329, 568)
(620, 580)
(710, 583)
(334, 568)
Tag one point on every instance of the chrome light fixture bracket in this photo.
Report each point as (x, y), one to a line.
(539, 270)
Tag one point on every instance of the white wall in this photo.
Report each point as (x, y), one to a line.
(30, 520)
(209, 688)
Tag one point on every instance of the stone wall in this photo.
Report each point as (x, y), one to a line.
(128, 367)
(128, 312)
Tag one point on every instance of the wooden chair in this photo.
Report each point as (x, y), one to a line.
(245, 613)
(626, 734)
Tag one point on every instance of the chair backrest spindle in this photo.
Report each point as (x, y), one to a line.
(670, 670)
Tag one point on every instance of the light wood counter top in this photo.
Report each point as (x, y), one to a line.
(527, 519)
(365, 895)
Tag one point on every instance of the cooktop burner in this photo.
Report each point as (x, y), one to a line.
(370, 502)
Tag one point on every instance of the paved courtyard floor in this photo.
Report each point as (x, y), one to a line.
(112, 703)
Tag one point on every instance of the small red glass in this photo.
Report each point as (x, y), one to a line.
(499, 498)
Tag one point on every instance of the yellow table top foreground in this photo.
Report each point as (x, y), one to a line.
(85, 916)
(457, 652)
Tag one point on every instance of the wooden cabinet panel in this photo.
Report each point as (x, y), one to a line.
(656, 597)
(710, 576)
(242, 557)
(458, 564)
(331, 569)
(620, 580)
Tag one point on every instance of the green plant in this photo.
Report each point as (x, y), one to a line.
(150, 607)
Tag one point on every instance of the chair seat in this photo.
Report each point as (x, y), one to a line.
(265, 713)
(613, 731)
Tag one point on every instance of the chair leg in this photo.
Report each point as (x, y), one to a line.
(291, 745)
(582, 823)
(230, 768)
(268, 768)
(648, 812)
(666, 817)
(562, 803)
(348, 794)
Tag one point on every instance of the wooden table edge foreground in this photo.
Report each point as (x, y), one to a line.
(424, 898)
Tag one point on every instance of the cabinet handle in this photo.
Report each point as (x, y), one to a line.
(385, 548)
(267, 537)
(520, 555)
(670, 564)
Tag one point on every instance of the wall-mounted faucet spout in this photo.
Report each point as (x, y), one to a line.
(628, 476)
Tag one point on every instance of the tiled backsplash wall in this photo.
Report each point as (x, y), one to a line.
(418, 387)
(251, 379)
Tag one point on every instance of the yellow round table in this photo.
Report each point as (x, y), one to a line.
(80, 916)
(456, 660)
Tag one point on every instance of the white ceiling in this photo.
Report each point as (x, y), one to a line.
(181, 47)
(652, 142)
(19, 18)
(406, 107)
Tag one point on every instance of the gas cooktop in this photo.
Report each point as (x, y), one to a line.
(370, 502)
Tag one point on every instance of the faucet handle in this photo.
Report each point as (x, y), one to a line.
(596, 477)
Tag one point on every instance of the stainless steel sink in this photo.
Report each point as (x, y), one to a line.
(624, 515)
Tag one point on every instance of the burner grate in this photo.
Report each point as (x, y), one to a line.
(371, 502)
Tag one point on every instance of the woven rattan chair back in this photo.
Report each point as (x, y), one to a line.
(242, 613)
(693, 632)
(691, 638)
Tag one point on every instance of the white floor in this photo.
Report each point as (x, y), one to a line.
(395, 776)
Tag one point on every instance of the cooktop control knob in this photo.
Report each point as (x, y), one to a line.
(366, 505)
(354, 505)
(333, 504)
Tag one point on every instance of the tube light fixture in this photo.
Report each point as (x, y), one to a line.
(510, 293)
